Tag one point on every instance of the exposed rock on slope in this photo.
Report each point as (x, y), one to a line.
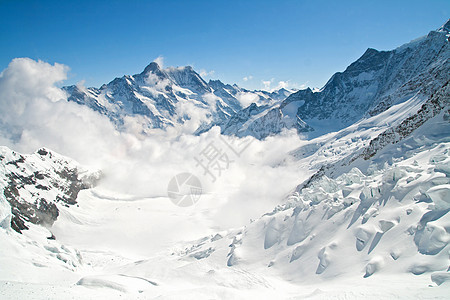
(34, 185)
(438, 102)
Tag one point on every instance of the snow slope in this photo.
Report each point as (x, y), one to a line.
(372, 228)
(380, 219)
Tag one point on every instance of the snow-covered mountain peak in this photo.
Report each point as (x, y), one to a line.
(370, 85)
(186, 77)
(151, 68)
(216, 85)
(158, 98)
(371, 59)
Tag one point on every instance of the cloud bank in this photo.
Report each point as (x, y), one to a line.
(35, 113)
(246, 98)
(268, 85)
(160, 61)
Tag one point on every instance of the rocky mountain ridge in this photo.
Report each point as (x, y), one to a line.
(33, 186)
(369, 86)
(158, 98)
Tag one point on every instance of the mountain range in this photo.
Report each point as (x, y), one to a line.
(369, 86)
(161, 98)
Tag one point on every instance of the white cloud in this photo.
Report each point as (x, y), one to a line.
(247, 78)
(204, 73)
(302, 86)
(34, 113)
(282, 85)
(81, 84)
(156, 85)
(211, 99)
(193, 116)
(268, 85)
(160, 61)
(246, 98)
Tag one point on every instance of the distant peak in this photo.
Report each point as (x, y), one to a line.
(369, 54)
(216, 84)
(43, 151)
(370, 51)
(151, 68)
(445, 27)
(215, 81)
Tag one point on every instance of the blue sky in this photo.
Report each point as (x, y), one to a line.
(298, 42)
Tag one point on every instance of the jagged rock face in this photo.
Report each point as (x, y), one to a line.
(187, 78)
(34, 184)
(369, 86)
(380, 79)
(347, 95)
(438, 102)
(260, 121)
(237, 122)
(156, 94)
(226, 92)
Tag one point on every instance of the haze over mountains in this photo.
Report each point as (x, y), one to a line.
(342, 192)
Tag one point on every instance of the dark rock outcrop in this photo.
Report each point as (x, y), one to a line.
(35, 184)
